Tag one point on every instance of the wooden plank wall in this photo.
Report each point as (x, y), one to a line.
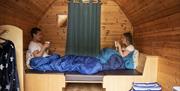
(162, 37)
(156, 26)
(83, 87)
(113, 24)
(49, 25)
(24, 14)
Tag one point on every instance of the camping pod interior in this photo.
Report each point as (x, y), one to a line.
(155, 25)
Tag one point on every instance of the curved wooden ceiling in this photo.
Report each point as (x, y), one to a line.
(138, 11)
(27, 10)
(142, 11)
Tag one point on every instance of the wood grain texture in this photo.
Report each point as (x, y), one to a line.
(44, 82)
(168, 73)
(51, 30)
(156, 26)
(162, 37)
(83, 87)
(113, 24)
(24, 14)
(142, 11)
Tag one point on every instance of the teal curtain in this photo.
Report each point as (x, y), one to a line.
(83, 37)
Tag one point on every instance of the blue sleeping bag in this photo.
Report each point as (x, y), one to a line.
(111, 59)
(106, 54)
(108, 59)
(128, 61)
(114, 62)
(82, 64)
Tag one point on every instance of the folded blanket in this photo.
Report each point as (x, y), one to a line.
(148, 86)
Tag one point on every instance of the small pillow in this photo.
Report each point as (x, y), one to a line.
(28, 57)
(135, 58)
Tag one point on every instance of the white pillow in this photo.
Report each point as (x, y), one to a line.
(28, 57)
(135, 58)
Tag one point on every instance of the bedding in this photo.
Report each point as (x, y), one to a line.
(128, 61)
(82, 64)
(107, 60)
(107, 56)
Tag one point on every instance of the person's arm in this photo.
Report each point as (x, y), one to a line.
(40, 53)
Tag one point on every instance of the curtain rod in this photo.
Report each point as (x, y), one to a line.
(86, 1)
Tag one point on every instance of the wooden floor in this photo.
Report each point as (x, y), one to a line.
(83, 87)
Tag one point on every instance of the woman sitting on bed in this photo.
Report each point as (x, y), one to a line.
(124, 54)
(127, 42)
(129, 53)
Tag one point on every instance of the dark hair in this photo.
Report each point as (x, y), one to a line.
(34, 30)
(128, 37)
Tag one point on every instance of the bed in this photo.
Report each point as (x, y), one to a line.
(108, 59)
(75, 77)
(112, 81)
(116, 80)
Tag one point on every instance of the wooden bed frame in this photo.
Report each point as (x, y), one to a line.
(57, 81)
(148, 65)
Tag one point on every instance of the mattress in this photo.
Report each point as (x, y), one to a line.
(74, 77)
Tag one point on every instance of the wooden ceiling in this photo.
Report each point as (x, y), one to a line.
(24, 14)
(27, 10)
(142, 11)
(138, 11)
(27, 13)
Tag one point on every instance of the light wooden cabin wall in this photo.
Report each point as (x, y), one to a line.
(24, 14)
(156, 26)
(49, 26)
(113, 24)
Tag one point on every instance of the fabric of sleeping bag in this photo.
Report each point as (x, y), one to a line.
(69, 63)
(82, 64)
(43, 63)
(105, 54)
(128, 61)
(114, 62)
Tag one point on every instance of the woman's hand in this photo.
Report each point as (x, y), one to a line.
(116, 44)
